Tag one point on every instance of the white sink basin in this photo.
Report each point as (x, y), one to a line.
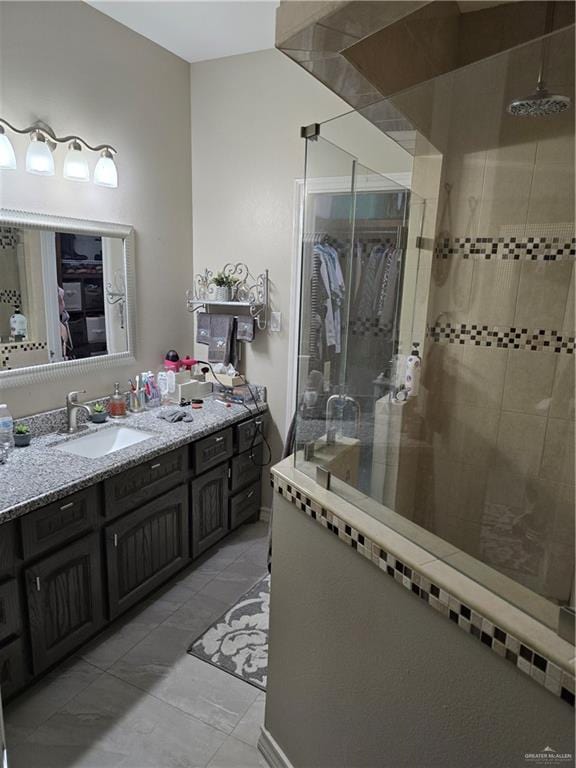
(105, 441)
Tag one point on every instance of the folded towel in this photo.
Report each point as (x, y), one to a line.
(175, 414)
(245, 329)
(203, 328)
(221, 328)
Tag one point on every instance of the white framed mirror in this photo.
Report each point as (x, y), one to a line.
(66, 296)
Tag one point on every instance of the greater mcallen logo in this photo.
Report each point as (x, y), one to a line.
(547, 756)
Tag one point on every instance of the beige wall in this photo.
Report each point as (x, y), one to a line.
(246, 155)
(82, 72)
(362, 673)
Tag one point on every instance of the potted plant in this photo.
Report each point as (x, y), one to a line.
(224, 286)
(99, 414)
(22, 435)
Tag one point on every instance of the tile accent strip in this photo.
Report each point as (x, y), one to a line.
(536, 666)
(515, 248)
(10, 296)
(503, 337)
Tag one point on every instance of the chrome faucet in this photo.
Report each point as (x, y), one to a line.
(72, 408)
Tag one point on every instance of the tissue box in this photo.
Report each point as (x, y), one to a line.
(193, 389)
(224, 379)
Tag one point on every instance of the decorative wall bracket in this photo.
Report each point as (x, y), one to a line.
(116, 294)
(249, 291)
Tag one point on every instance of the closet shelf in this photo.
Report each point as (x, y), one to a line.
(252, 292)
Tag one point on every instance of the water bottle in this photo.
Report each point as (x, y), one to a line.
(6, 432)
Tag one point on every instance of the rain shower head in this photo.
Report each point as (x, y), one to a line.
(540, 104)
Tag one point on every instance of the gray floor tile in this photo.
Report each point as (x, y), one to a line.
(236, 754)
(248, 729)
(112, 644)
(46, 697)
(112, 723)
(161, 666)
(197, 614)
(234, 581)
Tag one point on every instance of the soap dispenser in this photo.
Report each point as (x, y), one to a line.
(117, 404)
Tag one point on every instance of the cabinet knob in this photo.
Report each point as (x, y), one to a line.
(155, 466)
(66, 506)
(218, 439)
(38, 583)
(115, 539)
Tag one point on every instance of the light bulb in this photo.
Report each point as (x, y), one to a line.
(7, 156)
(105, 173)
(39, 158)
(75, 164)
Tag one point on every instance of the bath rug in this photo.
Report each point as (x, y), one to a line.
(238, 641)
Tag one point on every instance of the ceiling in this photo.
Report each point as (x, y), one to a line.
(197, 30)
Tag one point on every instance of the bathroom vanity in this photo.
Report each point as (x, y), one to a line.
(83, 539)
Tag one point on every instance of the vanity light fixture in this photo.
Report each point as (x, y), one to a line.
(75, 164)
(7, 156)
(40, 160)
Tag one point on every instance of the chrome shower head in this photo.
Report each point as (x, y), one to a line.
(540, 104)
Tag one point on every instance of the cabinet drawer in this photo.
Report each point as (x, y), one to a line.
(212, 450)
(65, 607)
(9, 609)
(133, 488)
(12, 668)
(59, 522)
(8, 555)
(244, 505)
(246, 468)
(244, 433)
(146, 547)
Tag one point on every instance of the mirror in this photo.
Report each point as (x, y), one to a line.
(65, 295)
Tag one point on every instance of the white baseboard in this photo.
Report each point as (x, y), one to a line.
(271, 751)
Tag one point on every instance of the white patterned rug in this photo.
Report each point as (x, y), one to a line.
(238, 641)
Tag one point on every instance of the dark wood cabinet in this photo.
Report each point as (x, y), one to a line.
(212, 451)
(65, 605)
(249, 433)
(246, 468)
(244, 505)
(136, 486)
(145, 547)
(209, 509)
(70, 567)
(9, 610)
(13, 673)
(59, 522)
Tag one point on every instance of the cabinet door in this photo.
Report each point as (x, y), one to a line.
(146, 547)
(64, 600)
(12, 668)
(212, 451)
(9, 610)
(209, 509)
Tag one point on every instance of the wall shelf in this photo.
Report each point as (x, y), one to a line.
(252, 292)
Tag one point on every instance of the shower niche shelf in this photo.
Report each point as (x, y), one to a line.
(252, 292)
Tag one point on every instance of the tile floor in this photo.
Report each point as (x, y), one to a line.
(134, 698)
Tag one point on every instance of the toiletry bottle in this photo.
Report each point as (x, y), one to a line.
(412, 375)
(117, 404)
(18, 325)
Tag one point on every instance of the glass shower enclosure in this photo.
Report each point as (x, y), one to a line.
(436, 340)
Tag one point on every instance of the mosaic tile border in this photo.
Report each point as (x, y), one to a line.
(23, 346)
(515, 248)
(10, 296)
(538, 667)
(503, 337)
(8, 237)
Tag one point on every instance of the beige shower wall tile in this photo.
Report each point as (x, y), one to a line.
(555, 501)
(562, 405)
(441, 370)
(529, 382)
(552, 194)
(480, 376)
(470, 434)
(494, 291)
(450, 292)
(542, 294)
(557, 148)
(504, 486)
(558, 457)
(559, 572)
(521, 442)
(507, 183)
(465, 175)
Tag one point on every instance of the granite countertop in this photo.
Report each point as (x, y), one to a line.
(37, 475)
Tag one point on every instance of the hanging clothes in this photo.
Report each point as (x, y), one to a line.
(334, 291)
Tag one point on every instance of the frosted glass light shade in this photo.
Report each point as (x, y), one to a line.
(7, 156)
(105, 173)
(39, 159)
(76, 165)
